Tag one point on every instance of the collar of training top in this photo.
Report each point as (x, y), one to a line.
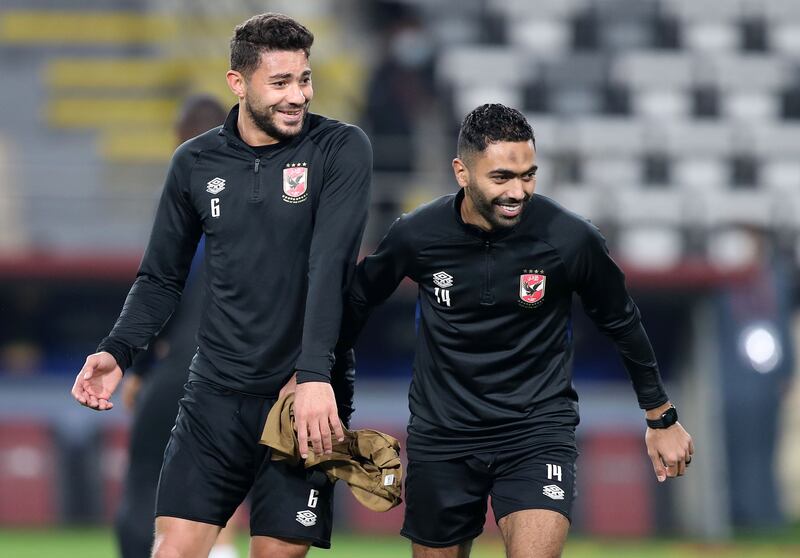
(494, 234)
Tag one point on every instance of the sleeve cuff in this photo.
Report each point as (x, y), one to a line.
(304, 376)
(315, 365)
(652, 402)
(119, 353)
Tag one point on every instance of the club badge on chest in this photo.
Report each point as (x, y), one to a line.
(532, 288)
(295, 182)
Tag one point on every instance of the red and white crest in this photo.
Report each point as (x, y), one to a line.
(531, 287)
(295, 181)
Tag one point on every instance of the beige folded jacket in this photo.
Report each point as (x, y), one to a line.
(367, 460)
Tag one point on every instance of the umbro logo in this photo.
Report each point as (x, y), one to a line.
(443, 280)
(216, 186)
(553, 491)
(306, 518)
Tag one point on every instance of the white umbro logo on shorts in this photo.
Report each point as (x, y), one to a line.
(553, 491)
(443, 280)
(306, 518)
(216, 186)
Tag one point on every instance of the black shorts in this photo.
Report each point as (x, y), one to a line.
(446, 500)
(213, 460)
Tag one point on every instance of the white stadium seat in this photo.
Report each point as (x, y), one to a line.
(650, 247)
(750, 106)
(545, 9)
(703, 10)
(755, 72)
(468, 97)
(701, 173)
(465, 66)
(712, 37)
(611, 171)
(663, 104)
(653, 70)
(785, 38)
(544, 39)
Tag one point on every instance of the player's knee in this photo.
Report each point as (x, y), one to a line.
(268, 547)
(164, 549)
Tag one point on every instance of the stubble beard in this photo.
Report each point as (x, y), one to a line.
(487, 208)
(264, 119)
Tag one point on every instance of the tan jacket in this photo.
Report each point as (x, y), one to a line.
(367, 460)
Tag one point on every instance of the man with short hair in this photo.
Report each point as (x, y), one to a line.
(493, 408)
(281, 196)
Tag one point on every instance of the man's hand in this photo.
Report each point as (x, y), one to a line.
(97, 381)
(670, 450)
(315, 417)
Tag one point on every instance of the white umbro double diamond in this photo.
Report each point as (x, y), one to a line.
(216, 186)
(553, 491)
(443, 280)
(306, 518)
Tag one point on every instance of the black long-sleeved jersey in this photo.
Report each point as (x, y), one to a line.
(283, 227)
(492, 366)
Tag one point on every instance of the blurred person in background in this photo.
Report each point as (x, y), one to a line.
(281, 196)
(154, 385)
(400, 87)
(493, 408)
(757, 361)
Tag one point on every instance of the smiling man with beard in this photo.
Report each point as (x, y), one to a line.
(281, 196)
(493, 408)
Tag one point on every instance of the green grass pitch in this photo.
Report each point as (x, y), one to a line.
(99, 543)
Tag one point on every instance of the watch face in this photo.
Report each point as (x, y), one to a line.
(669, 417)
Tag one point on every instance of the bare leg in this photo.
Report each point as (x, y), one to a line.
(225, 547)
(181, 538)
(534, 534)
(457, 551)
(270, 547)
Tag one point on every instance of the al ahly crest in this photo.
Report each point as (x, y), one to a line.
(531, 288)
(295, 182)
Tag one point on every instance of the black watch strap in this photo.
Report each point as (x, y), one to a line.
(667, 419)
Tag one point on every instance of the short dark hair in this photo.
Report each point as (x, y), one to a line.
(263, 33)
(492, 123)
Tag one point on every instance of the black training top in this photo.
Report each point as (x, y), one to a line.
(283, 228)
(492, 368)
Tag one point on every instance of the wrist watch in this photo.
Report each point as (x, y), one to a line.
(667, 419)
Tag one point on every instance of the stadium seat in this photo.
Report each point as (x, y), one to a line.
(707, 10)
(753, 106)
(542, 38)
(467, 98)
(599, 135)
(500, 66)
(781, 174)
(710, 37)
(650, 247)
(545, 9)
(693, 138)
(781, 10)
(650, 69)
(663, 105)
(581, 199)
(611, 171)
(785, 38)
(735, 207)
